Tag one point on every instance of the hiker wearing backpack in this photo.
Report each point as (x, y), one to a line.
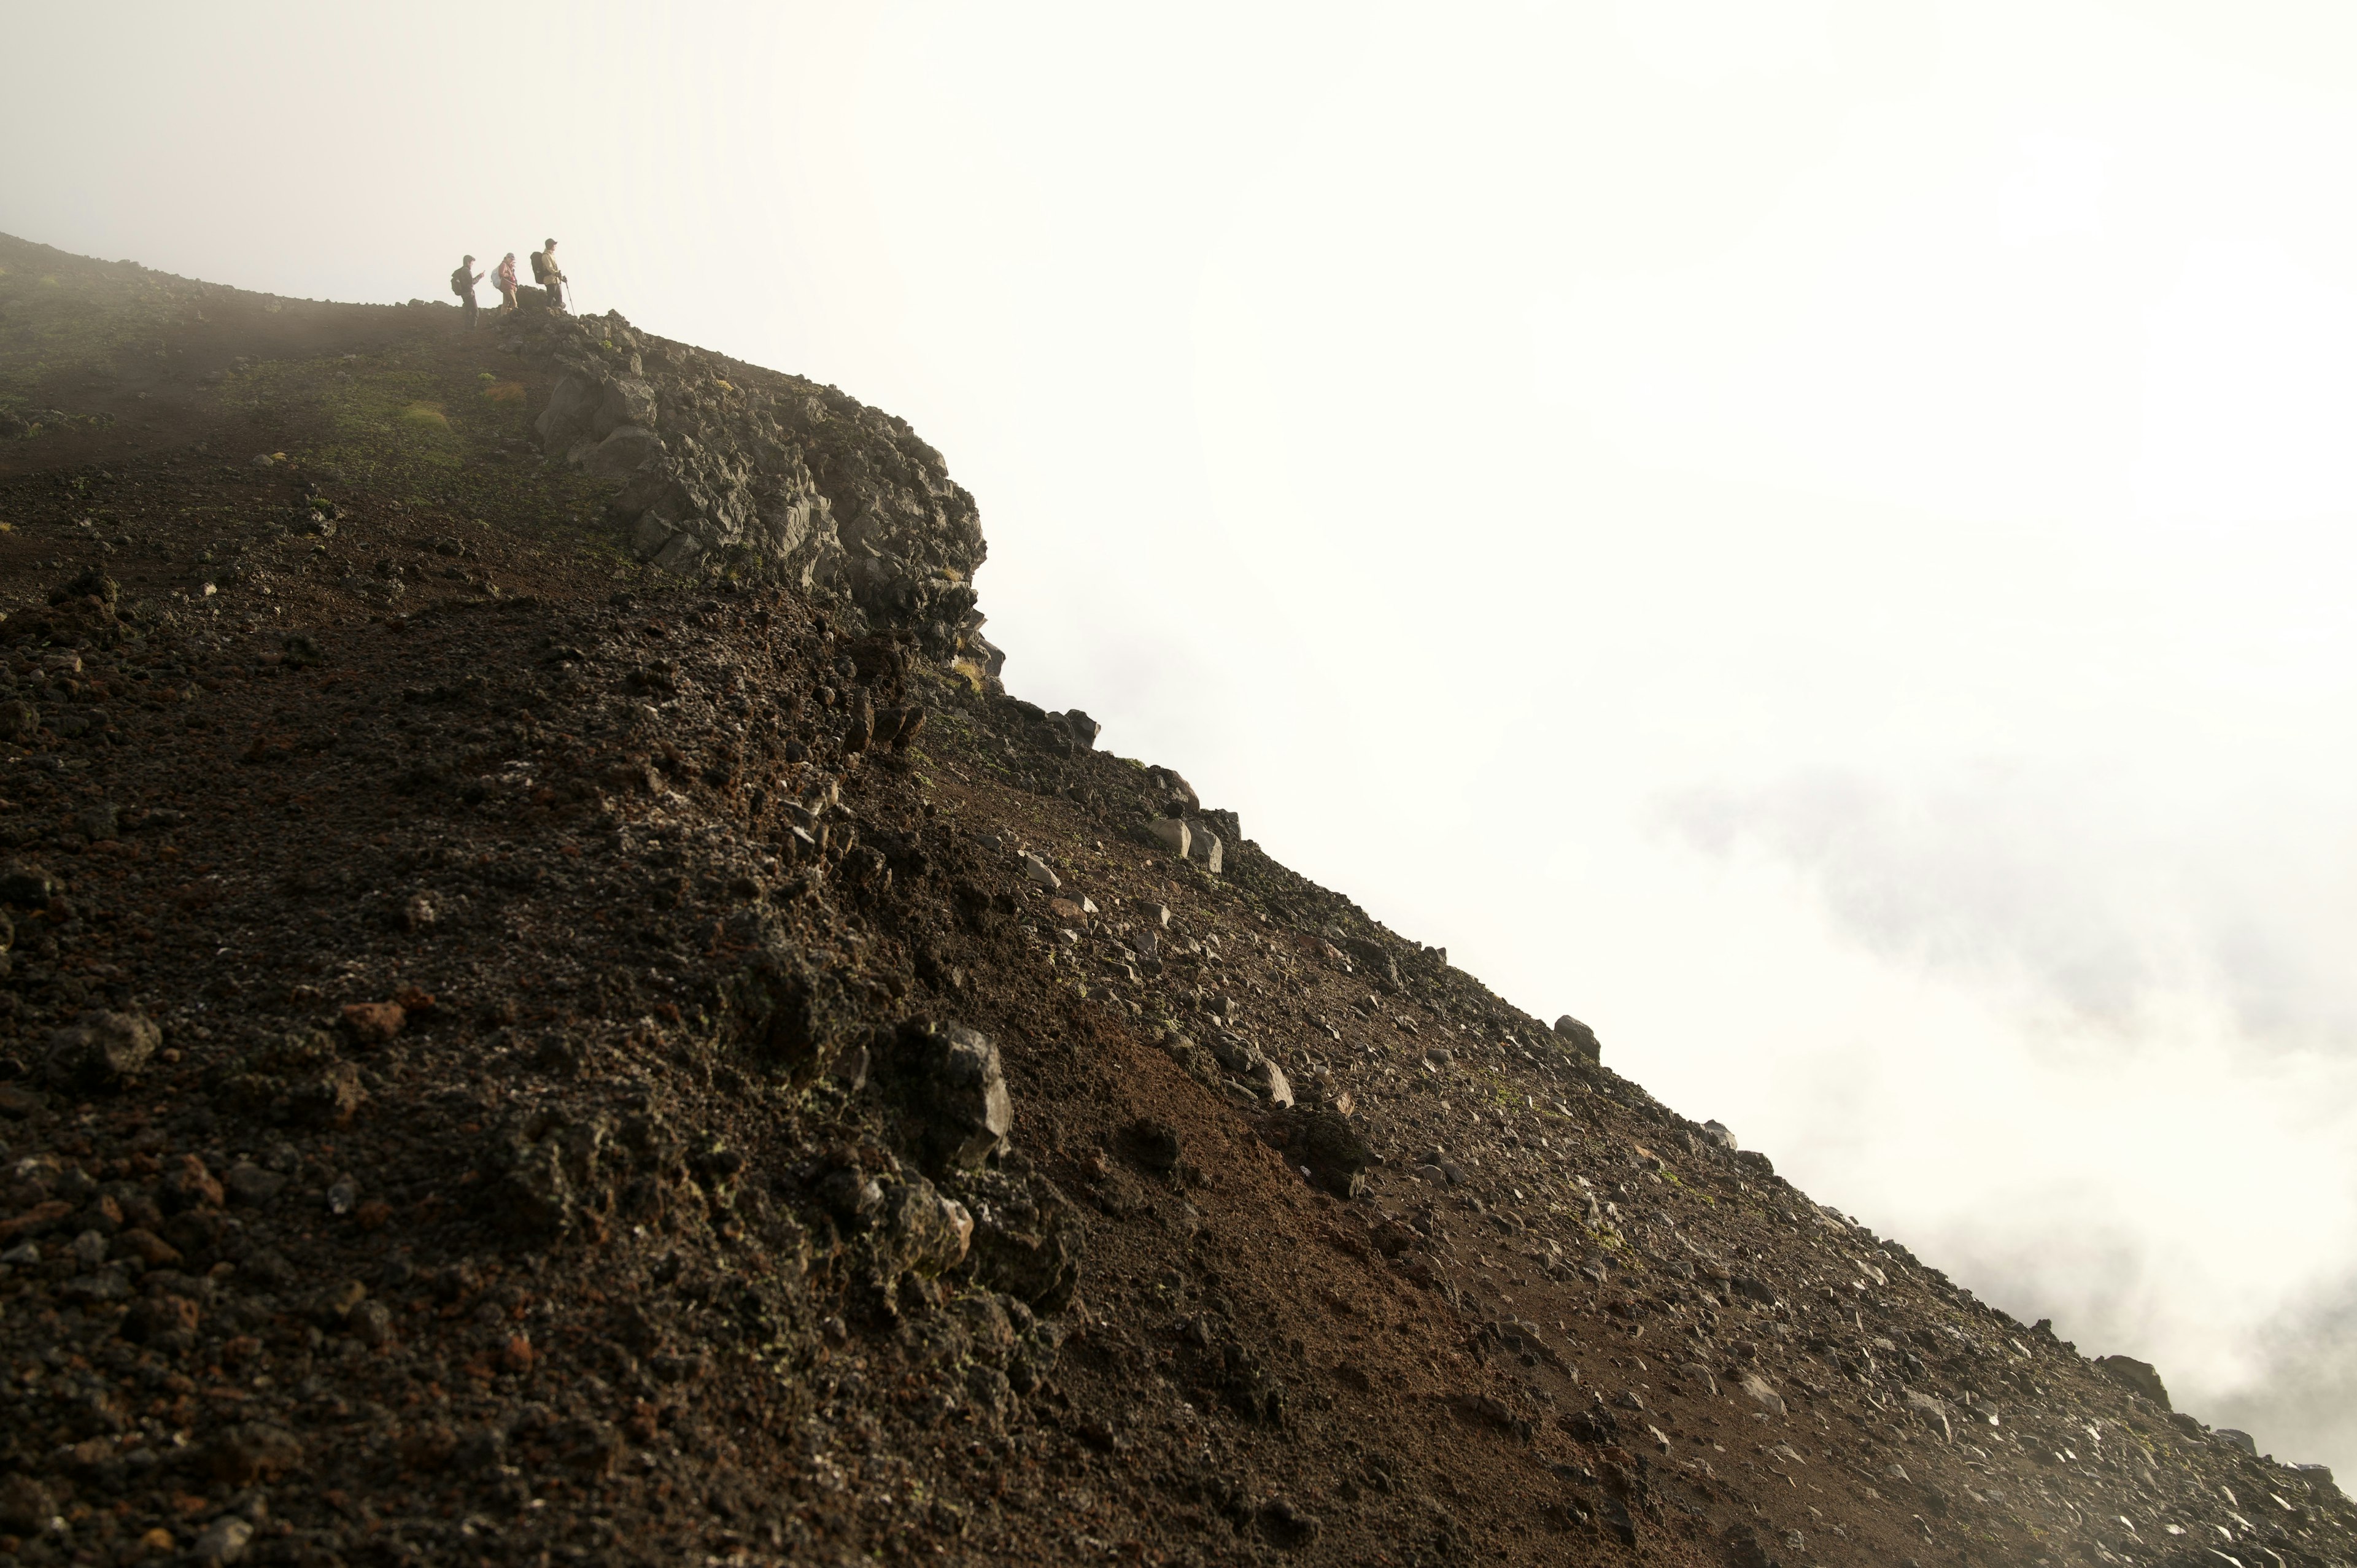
(504, 279)
(462, 284)
(544, 273)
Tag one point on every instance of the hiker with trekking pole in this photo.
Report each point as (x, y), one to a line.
(546, 273)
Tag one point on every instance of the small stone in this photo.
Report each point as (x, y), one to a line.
(249, 1184)
(162, 1321)
(1268, 1081)
(103, 1049)
(26, 1506)
(1757, 1390)
(370, 1323)
(148, 1247)
(1039, 871)
(190, 1185)
(2234, 1437)
(255, 1451)
(860, 731)
(374, 1023)
(335, 1304)
(1934, 1412)
(225, 1540)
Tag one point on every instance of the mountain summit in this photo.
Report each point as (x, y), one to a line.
(556, 1012)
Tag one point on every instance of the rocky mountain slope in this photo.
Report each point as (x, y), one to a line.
(553, 1011)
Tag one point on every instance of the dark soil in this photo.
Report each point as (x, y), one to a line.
(483, 1058)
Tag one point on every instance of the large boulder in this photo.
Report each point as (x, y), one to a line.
(626, 401)
(573, 404)
(2139, 1376)
(1028, 1239)
(623, 450)
(951, 1089)
(1578, 1038)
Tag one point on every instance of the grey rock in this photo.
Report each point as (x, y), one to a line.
(372, 1324)
(103, 1049)
(1718, 1134)
(1172, 835)
(572, 403)
(2234, 1437)
(1327, 1143)
(1268, 1081)
(226, 1540)
(1755, 1389)
(627, 449)
(1205, 849)
(1236, 1054)
(249, 1184)
(952, 1088)
(2139, 1376)
(1040, 872)
(1934, 1412)
(625, 401)
(1579, 1037)
(923, 1233)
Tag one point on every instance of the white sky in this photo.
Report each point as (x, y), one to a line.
(1815, 536)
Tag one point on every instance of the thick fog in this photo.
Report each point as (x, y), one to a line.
(1815, 537)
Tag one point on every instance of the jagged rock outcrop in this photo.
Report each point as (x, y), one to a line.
(721, 468)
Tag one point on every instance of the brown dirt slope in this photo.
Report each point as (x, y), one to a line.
(510, 1057)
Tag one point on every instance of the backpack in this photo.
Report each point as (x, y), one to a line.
(540, 267)
(459, 279)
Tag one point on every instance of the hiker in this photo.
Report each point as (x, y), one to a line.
(462, 284)
(546, 273)
(504, 279)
